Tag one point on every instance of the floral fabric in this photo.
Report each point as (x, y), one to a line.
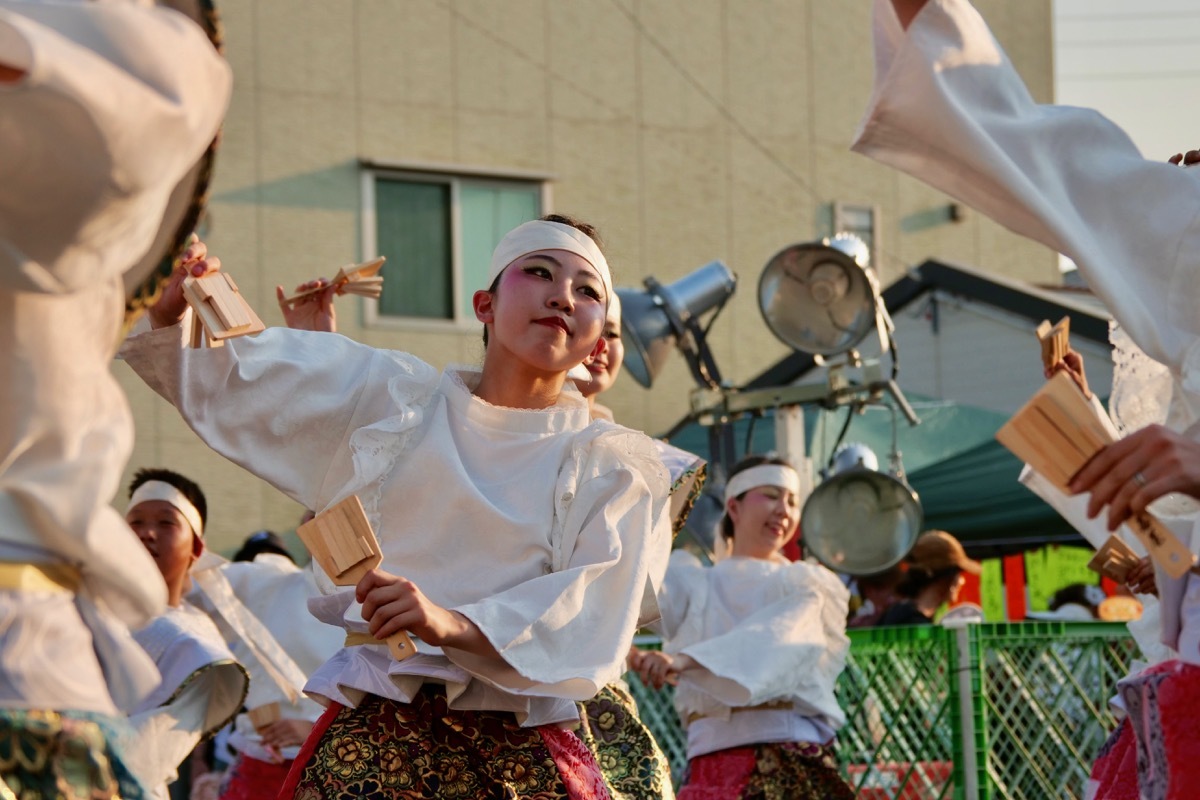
(630, 759)
(777, 771)
(45, 755)
(384, 750)
(1114, 775)
(1163, 740)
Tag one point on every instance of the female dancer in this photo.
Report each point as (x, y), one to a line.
(755, 644)
(632, 762)
(517, 535)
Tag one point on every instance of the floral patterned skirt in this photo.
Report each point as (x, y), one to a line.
(385, 750)
(63, 756)
(633, 765)
(1159, 742)
(776, 771)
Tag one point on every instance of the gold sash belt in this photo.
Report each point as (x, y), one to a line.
(354, 639)
(777, 705)
(26, 577)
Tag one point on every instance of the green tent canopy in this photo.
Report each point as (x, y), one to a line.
(966, 480)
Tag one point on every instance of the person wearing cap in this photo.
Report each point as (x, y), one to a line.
(754, 646)
(934, 574)
(203, 685)
(104, 107)
(517, 534)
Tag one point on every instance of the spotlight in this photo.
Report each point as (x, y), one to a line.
(660, 318)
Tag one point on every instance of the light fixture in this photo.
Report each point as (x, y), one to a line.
(861, 521)
(664, 317)
(821, 298)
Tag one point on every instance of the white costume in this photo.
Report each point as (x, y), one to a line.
(202, 688)
(770, 638)
(949, 109)
(118, 102)
(276, 592)
(540, 527)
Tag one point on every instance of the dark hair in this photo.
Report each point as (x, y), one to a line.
(1076, 593)
(743, 465)
(187, 487)
(917, 579)
(262, 542)
(561, 219)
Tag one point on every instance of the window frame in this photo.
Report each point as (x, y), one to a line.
(842, 210)
(454, 177)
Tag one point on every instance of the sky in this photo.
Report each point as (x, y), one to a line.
(1136, 61)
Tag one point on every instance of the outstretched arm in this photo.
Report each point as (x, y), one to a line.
(315, 312)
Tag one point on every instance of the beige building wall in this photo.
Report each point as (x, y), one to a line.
(687, 130)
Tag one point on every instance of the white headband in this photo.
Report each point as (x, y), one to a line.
(614, 309)
(763, 475)
(160, 490)
(541, 235)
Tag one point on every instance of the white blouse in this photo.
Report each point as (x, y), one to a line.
(202, 688)
(118, 101)
(949, 109)
(770, 634)
(276, 592)
(539, 526)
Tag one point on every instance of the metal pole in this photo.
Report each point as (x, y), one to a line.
(966, 711)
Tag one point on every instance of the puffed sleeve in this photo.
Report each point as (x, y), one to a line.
(117, 103)
(792, 648)
(566, 633)
(949, 109)
(304, 411)
(683, 595)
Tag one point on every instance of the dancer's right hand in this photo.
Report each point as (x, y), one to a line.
(169, 308)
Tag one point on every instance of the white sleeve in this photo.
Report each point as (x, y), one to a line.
(949, 109)
(118, 103)
(164, 736)
(793, 648)
(286, 405)
(567, 633)
(682, 597)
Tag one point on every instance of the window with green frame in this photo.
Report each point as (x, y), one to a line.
(438, 233)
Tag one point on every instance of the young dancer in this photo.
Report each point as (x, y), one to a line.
(202, 685)
(632, 762)
(627, 753)
(104, 107)
(275, 591)
(755, 645)
(949, 109)
(518, 536)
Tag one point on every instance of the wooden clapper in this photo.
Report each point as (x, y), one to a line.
(219, 311)
(1056, 433)
(1114, 560)
(341, 540)
(1055, 339)
(360, 279)
(264, 715)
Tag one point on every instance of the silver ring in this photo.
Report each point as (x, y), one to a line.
(1140, 479)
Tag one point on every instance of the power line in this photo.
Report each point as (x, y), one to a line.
(713, 100)
(1132, 76)
(1166, 40)
(1122, 15)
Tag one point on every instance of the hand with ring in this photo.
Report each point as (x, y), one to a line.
(1131, 473)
